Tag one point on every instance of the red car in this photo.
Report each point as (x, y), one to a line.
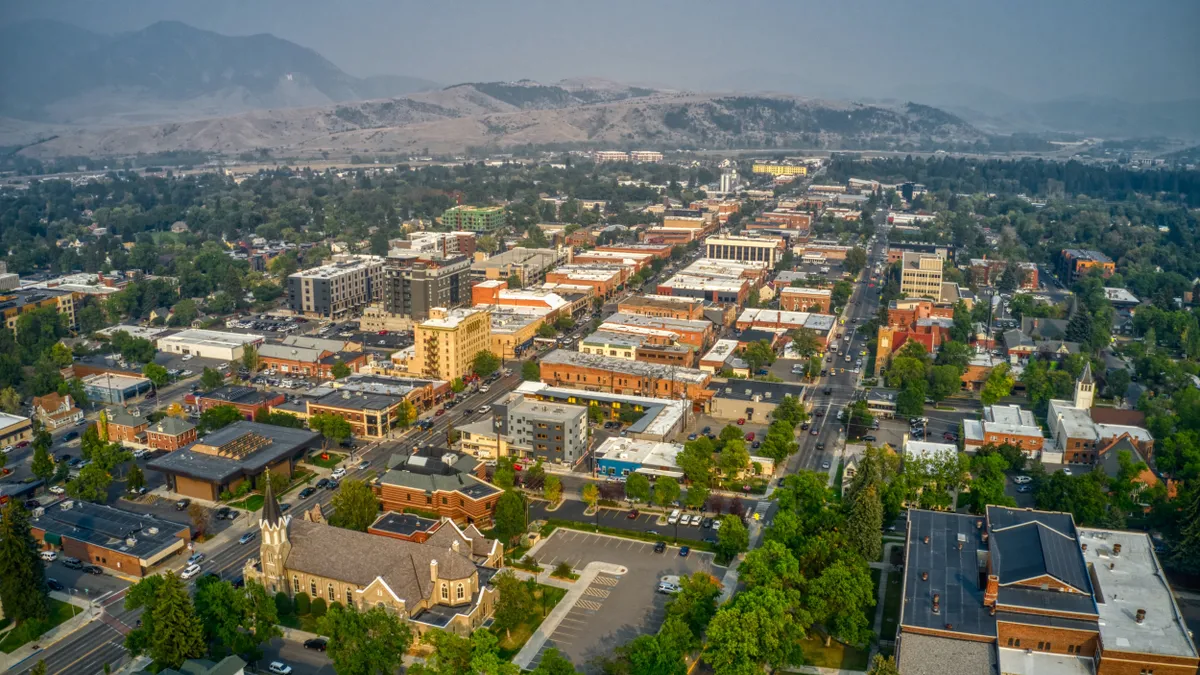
(633, 514)
(382, 332)
(741, 421)
(440, 412)
(22, 444)
(750, 436)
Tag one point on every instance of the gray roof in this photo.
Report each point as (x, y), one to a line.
(357, 400)
(172, 426)
(271, 514)
(747, 390)
(463, 483)
(1046, 329)
(931, 655)
(953, 574)
(122, 418)
(1032, 550)
(359, 558)
(110, 528)
(612, 364)
(203, 466)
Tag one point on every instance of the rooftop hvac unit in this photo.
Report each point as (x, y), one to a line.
(152, 530)
(131, 542)
(67, 505)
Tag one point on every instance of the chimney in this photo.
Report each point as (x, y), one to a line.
(1084, 548)
(937, 598)
(1116, 549)
(454, 546)
(991, 591)
(924, 576)
(926, 539)
(433, 574)
(1141, 616)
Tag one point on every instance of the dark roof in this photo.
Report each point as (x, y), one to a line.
(404, 524)
(110, 528)
(1046, 329)
(746, 390)
(1026, 544)
(1036, 598)
(171, 426)
(1086, 377)
(203, 466)
(1047, 620)
(234, 393)
(954, 574)
(357, 400)
(1129, 418)
(756, 335)
(271, 514)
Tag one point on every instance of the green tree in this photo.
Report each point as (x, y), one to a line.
(590, 495)
(211, 379)
(733, 537)
(510, 516)
(485, 363)
(157, 374)
(552, 489)
(515, 603)
(546, 331)
(178, 634)
(355, 506)
(957, 354)
(10, 400)
(838, 598)
(666, 491)
(531, 371)
(42, 465)
(23, 594)
(637, 487)
(505, 475)
(143, 595)
(760, 628)
(279, 418)
(219, 416)
(734, 458)
(91, 484)
(805, 342)
(856, 258)
(554, 663)
(365, 643)
(221, 609)
(944, 381)
(333, 428)
(864, 525)
(1079, 327)
(999, 384)
(1009, 280)
(136, 480)
(884, 665)
(250, 359)
(1185, 555)
(339, 370)
(759, 355)
(905, 369)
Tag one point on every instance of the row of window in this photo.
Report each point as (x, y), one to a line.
(1046, 646)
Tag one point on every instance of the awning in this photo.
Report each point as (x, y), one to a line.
(52, 538)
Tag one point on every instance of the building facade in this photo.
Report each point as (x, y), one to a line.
(765, 250)
(921, 275)
(336, 290)
(551, 432)
(411, 288)
(170, 433)
(474, 218)
(800, 299)
(55, 411)
(447, 342)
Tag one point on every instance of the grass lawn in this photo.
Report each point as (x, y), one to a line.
(836, 655)
(300, 476)
(891, 606)
(315, 459)
(510, 645)
(60, 612)
(251, 503)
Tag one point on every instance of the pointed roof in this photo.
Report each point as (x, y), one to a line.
(1086, 378)
(271, 514)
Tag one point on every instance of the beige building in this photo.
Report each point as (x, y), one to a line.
(765, 250)
(438, 577)
(336, 290)
(448, 341)
(921, 275)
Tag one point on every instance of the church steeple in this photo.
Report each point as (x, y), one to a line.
(271, 515)
(274, 545)
(1085, 388)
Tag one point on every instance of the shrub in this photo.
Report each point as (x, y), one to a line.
(303, 606)
(226, 495)
(335, 605)
(563, 570)
(318, 608)
(283, 604)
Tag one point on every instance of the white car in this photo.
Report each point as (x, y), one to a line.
(190, 571)
(716, 523)
(1021, 480)
(484, 388)
(57, 490)
(8, 449)
(49, 556)
(186, 373)
(279, 668)
(187, 357)
(338, 473)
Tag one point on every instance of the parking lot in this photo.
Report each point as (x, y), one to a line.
(619, 518)
(614, 609)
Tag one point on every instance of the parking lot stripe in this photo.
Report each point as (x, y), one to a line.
(595, 592)
(588, 604)
(606, 581)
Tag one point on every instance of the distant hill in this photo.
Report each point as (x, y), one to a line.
(56, 72)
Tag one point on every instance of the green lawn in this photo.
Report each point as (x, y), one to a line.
(836, 655)
(512, 641)
(891, 606)
(315, 459)
(251, 503)
(31, 630)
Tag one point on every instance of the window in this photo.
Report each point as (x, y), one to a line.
(445, 592)
(312, 586)
(349, 597)
(1041, 645)
(1070, 649)
(332, 597)
(459, 593)
(1010, 642)
(1017, 643)
(295, 584)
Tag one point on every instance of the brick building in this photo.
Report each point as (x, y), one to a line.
(170, 433)
(449, 485)
(55, 412)
(691, 309)
(1077, 262)
(1004, 424)
(119, 426)
(604, 373)
(124, 542)
(248, 400)
(800, 299)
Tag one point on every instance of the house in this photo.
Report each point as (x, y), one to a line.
(170, 433)
(435, 584)
(55, 411)
(446, 485)
(1044, 329)
(119, 426)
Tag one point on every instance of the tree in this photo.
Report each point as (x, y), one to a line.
(199, 517)
(759, 355)
(733, 537)
(143, 595)
(590, 495)
(355, 506)
(734, 458)
(1185, 555)
(531, 371)
(91, 484)
(10, 400)
(515, 603)
(485, 363)
(505, 475)
(905, 369)
(510, 516)
(1116, 383)
(999, 384)
(250, 358)
(178, 634)
(1079, 327)
(157, 374)
(221, 609)
(666, 491)
(136, 480)
(856, 258)
(1008, 281)
(219, 416)
(944, 381)
(564, 323)
(42, 465)
(954, 353)
(211, 379)
(277, 418)
(333, 428)
(23, 594)
(884, 665)
(805, 342)
(339, 370)
(760, 627)
(864, 526)
(365, 643)
(554, 663)
(552, 489)
(546, 331)
(637, 487)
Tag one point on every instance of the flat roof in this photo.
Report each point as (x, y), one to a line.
(705, 283)
(113, 381)
(1032, 662)
(454, 318)
(1130, 581)
(338, 268)
(203, 466)
(146, 332)
(661, 415)
(634, 451)
(404, 524)
(655, 370)
(931, 655)
(7, 420)
(953, 574)
(716, 267)
(137, 534)
(721, 350)
(612, 338)
(804, 290)
(928, 448)
(212, 338)
(547, 411)
(660, 322)
(747, 390)
(357, 400)
(810, 320)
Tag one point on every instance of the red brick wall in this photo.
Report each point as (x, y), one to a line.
(1113, 662)
(120, 433)
(1047, 639)
(169, 442)
(451, 505)
(605, 380)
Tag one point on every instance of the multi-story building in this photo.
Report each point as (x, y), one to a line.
(55, 411)
(604, 373)
(647, 346)
(371, 415)
(1025, 591)
(610, 156)
(127, 543)
(921, 275)
(552, 432)
(1004, 424)
(803, 299)
(434, 244)
(412, 286)
(474, 218)
(788, 219)
(448, 485)
(764, 250)
(1077, 262)
(661, 418)
(636, 262)
(908, 311)
(14, 303)
(446, 343)
(663, 306)
(770, 319)
(514, 328)
(1077, 438)
(170, 433)
(779, 168)
(119, 426)
(209, 344)
(14, 429)
(528, 265)
(248, 400)
(696, 333)
(115, 388)
(604, 280)
(987, 271)
(649, 156)
(337, 290)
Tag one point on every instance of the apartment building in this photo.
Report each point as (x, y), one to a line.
(603, 373)
(414, 286)
(337, 290)
(764, 250)
(601, 156)
(1077, 262)
(646, 156)
(779, 169)
(14, 303)
(1002, 424)
(802, 299)
(440, 244)
(528, 265)
(446, 343)
(921, 275)
(987, 271)
(552, 432)
(474, 218)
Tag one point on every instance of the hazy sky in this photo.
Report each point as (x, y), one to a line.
(1034, 49)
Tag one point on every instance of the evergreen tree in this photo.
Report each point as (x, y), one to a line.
(178, 634)
(1079, 328)
(42, 466)
(1186, 556)
(1008, 279)
(22, 576)
(865, 523)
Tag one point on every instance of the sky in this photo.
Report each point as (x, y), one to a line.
(1032, 50)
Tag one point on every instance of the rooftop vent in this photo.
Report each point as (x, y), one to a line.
(1141, 616)
(1116, 549)
(926, 539)
(924, 576)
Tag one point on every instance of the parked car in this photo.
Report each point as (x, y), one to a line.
(332, 485)
(1022, 480)
(72, 563)
(49, 556)
(182, 504)
(869, 438)
(57, 490)
(307, 492)
(633, 514)
(1023, 488)
(674, 517)
(223, 512)
(323, 483)
(317, 644)
(279, 668)
(54, 584)
(684, 551)
(660, 546)
(741, 421)
(706, 523)
(195, 558)
(338, 473)
(668, 588)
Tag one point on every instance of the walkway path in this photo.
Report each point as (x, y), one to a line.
(530, 651)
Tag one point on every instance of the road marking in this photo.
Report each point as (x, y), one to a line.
(588, 604)
(595, 592)
(93, 651)
(606, 581)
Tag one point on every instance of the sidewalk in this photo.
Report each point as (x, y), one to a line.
(534, 645)
(10, 661)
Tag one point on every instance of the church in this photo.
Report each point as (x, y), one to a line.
(1076, 437)
(439, 583)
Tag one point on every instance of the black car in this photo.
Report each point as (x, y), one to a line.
(307, 492)
(706, 523)
(223, 512)
(318, 644)
(828, 391)
(324, 482)
(659, 547)
(64, 457)
(182, 504)
(32, 503)
(54, 584)
(93, 569)
(331, 485)
(71, 435)
(869, 438)
(72, 563)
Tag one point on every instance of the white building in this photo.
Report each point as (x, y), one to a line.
(209, 344)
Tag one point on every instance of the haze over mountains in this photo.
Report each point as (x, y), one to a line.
(69, 91)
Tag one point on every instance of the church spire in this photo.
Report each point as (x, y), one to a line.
(1087, 374)
(271, 514)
